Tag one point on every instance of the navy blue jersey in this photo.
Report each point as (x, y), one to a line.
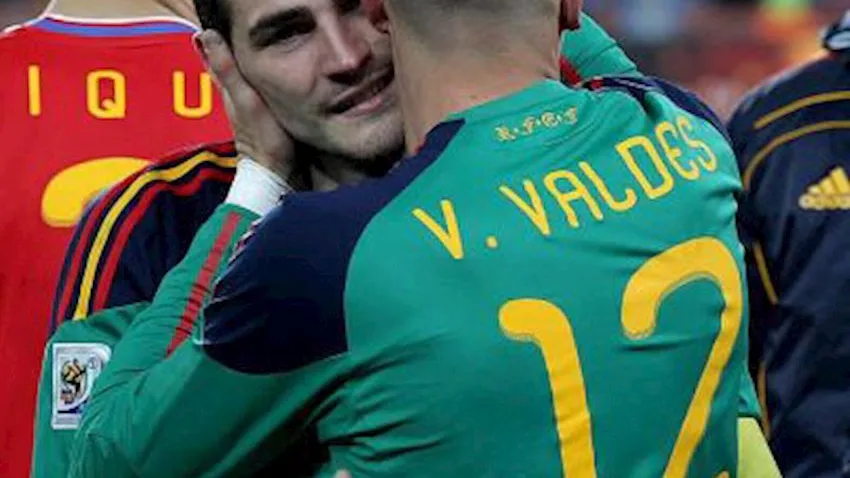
(137, 231)
(792, 139)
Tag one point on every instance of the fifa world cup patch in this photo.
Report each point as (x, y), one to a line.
(75, 368)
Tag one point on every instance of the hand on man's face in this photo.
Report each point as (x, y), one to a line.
(258, 134)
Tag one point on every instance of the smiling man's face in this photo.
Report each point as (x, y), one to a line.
(324, 70)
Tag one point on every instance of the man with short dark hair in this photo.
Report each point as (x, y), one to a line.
(386, 321)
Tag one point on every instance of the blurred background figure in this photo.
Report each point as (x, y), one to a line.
(718, 48)
(15, 11)
(792, 139)
(91, 91)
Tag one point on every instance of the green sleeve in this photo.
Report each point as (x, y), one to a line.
(592, 52)
(169, 319)
(61, 396)
(187, 415)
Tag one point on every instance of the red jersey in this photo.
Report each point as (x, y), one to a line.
(84, 105)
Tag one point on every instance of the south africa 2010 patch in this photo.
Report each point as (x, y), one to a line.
(75, 368)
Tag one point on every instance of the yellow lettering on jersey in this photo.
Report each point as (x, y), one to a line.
(69, 192)
(448, 235)
(533, 124)
(106, 108)
(535, 210)
(664, 131)
(549, 120)
(625, 150)
(504, 134)
(34, 84)
(617, 205)
(710, 161)
(205, 104)
(529, 125)
(578, 193)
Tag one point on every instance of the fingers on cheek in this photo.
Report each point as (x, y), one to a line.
(222, 64)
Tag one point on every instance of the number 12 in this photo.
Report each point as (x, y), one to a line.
(543, 323)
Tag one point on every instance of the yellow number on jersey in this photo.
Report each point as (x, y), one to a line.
(548, 327)
(704, 258)
(70, 191)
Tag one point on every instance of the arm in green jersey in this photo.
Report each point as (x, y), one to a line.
(157, 330)
(72, 360)
(87, 344)
(182, 294)
(191, 416)
(590, 52)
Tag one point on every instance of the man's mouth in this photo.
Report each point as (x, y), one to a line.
(369, 98)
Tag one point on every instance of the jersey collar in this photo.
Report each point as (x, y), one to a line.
(113, 28)
(540, 92)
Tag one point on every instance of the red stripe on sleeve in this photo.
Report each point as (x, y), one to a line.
(569, 74)
(202, 283)
(596, 84)
(104, 280)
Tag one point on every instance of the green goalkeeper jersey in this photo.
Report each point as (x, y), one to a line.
(551, 287)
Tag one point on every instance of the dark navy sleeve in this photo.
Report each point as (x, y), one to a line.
(278, 307)
(639, 86)
(135, 232)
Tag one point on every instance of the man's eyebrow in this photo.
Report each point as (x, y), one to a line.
(274, 21)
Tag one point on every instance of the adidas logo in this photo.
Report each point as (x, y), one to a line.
(829, 194)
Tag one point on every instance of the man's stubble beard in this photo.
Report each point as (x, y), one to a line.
(372, 152)
(347, 169)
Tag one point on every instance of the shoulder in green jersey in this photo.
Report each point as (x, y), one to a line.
(589, 52)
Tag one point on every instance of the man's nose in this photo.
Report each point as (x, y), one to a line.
(349, 52)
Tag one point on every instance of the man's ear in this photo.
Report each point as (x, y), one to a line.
(570, 14)
(218, 58)
(376, 12)
(197, 41)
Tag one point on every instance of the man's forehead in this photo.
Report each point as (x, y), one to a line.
(246, 13)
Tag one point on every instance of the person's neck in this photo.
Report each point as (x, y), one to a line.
(122, 9)
(431, 88)
(330, 171)
(330, 175)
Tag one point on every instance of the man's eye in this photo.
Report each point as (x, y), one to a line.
(347, 6)
(289, 33)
